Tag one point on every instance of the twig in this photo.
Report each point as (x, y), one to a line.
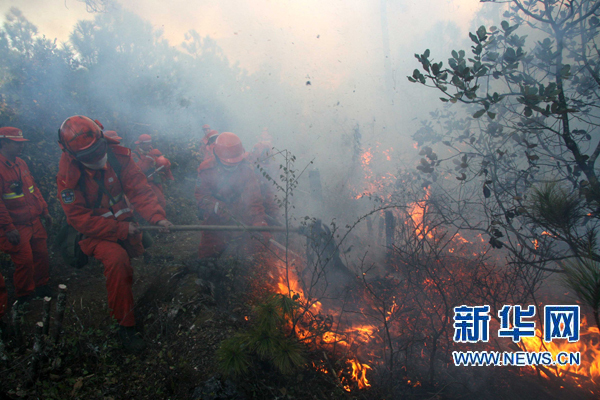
(46, 315)
(16, 320)
(61, 304)
(337, 378)
(37, 351)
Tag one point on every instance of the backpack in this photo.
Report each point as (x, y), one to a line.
(67, 241)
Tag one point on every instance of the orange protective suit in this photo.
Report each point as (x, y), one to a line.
(147, 164)
(104, 219)
(227, 198)
(21, 207)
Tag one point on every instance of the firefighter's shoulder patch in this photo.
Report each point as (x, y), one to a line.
(67, 196)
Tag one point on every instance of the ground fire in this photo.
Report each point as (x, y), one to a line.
(254, 201)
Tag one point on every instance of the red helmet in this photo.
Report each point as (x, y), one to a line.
(144, 139)
(162, 161)
(228, 149)
(211, 136)
(155, 152)
(112, 135)
(14, 134)
(78, 133)
(205, 126)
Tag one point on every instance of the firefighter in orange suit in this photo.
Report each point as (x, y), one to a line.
(161, 173)
(113, 135)
(141, 154)
(92, 191)
(163, 165)
(22, 234)
(228, 193)
(207, 148)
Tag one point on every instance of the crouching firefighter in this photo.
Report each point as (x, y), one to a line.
(95, 174)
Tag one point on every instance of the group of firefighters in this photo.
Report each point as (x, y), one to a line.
(100, 185)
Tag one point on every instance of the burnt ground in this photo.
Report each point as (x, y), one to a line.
(184, 320)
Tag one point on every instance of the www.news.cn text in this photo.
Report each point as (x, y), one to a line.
(516, 359)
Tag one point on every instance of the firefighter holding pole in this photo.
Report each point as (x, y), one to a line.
(95, 176)
(228, 193)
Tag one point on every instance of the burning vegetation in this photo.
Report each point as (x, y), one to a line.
(366, 307)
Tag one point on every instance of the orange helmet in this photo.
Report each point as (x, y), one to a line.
(14, 134)
(82, 138)
(211, 136)
(229, 149)
(205, 126)
(112, 135)
(144, 139)
(162, 161)
(155, 152)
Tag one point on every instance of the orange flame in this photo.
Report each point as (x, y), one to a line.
(363, 333)
(359, 373)
(417, 211)
(587, 346)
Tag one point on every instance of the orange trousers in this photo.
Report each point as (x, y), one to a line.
(118, 272)
(30, 256)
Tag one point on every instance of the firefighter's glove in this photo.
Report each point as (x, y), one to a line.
(13, 237)
(165, 225)
(134, 228)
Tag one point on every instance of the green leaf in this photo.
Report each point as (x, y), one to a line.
(486, 192)
(482, 33)
(479, 113)
(491, 115)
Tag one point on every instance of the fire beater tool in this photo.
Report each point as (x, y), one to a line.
(155, 171)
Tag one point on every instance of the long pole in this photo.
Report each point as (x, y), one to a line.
(176, 228)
